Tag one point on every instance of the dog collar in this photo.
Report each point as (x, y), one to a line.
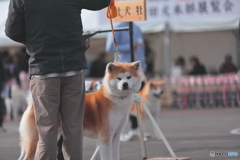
(121, 97)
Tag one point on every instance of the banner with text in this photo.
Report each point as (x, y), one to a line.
(186, 15)
(178, 10)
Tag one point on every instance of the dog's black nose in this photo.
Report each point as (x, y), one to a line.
(125, 86)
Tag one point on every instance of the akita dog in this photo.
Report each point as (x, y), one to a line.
(106, 112)
(151, 94)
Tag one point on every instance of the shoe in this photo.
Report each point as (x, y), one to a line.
(148, 135)
(129, 136)
(124, 138)
(133, 134)
(3, 130)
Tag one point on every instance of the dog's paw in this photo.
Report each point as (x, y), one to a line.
(137, 98)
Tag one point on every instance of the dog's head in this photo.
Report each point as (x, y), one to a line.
(155, 89)
(123, 79)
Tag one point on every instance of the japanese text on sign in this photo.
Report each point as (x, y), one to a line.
(177, 9)
(130, 11)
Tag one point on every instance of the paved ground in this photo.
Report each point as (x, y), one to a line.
(192, 133)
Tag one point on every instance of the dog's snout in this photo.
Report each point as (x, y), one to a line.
(125, 86)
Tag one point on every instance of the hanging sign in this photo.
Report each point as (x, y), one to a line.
(129, 11)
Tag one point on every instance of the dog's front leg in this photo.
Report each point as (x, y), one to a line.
(105, 149)
(115, 146)
(116, 138)
(22, 153)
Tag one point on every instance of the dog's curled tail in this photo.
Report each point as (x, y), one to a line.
(29, 99)
(28, 132)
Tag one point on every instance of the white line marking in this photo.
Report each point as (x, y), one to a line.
(235, 131)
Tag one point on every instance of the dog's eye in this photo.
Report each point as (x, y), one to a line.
(119, 79)
(128, 77)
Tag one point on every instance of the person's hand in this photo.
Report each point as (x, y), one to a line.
(135, 45)
(19, 87)
(87, 43)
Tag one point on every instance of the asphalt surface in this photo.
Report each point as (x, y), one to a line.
(190, 132)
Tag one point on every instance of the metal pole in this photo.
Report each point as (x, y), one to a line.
(131, 40)
(159, 131)
(168, 58)
(88, 35)
(115, 30)
(141, 134)
(167, 46)
(238, 47)
(94, 156)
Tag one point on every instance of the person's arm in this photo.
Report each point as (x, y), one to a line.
(139, 34)
(192, 72)
(204, 70)
(122, 47)
(95, 4)
(234, 68)
(2, 75)
(15, 24)
(16, 75)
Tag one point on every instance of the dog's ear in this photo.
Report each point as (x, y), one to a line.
(111, 67)
(151, 84)
(161, 83)
(136, 65)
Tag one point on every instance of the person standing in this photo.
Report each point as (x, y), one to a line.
(123, 41)
(197, 67)
(178, 69)
(2, 80)
(52, 32)
(98, 67)
(228, 66)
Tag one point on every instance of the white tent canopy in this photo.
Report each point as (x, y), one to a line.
(4, 41)
(183, 16)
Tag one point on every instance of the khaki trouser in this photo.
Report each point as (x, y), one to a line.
(62, 97)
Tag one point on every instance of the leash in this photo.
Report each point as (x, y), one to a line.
(112, 13)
